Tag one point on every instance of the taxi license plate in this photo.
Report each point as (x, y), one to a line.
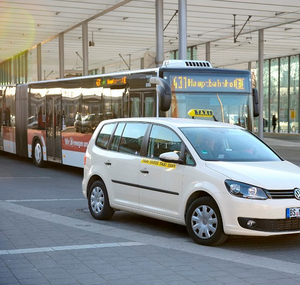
(293, 213)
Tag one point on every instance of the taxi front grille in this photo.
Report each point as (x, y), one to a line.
(271, 225)
(285, 225)
(280, 194)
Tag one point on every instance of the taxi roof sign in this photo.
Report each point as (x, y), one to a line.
(200, 113)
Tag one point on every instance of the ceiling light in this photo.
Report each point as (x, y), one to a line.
(56, 13)
(92, 43)
(125, 18)
(287, 29)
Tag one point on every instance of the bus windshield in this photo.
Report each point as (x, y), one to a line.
(229, 108)
(216, 95)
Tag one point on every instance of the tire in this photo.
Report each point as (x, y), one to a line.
(37, 154)
(204, 222)
(98, 201)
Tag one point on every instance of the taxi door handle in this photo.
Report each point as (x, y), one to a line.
(107, 163)
(145, 171)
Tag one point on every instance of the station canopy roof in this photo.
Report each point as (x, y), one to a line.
(123, 32)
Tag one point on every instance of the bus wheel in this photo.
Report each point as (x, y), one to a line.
(204, 222)
(98, 201)
(37, 154)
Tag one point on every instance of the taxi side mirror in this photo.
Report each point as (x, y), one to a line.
(171, 157)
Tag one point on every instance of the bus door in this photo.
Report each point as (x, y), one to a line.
(142, 104)
(53, 128)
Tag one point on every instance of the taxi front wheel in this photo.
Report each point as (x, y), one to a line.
(98, 201)
(204, 222)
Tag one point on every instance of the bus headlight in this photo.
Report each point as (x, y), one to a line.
(243, 190)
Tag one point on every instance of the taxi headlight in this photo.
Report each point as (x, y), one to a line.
(243, 190)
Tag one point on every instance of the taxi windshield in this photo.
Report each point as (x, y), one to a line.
(228, 144)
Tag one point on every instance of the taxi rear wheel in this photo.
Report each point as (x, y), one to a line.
(204, 222)
(98, 202)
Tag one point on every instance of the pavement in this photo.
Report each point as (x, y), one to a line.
(286, 145)
(40, 246)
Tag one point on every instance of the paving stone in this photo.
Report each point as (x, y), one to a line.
(116, 265)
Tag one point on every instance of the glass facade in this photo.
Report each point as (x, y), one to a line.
(14, 70)
(266, 100)
(32, 65)
(293, 101)
(281, 95)
(273, 92)
(190, 55)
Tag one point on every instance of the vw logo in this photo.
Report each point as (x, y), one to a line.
(297, 193)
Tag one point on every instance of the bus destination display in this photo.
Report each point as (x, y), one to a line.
(209, 83)
(110, 81)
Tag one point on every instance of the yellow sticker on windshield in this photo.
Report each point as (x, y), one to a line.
(200, 113)
(158, 163)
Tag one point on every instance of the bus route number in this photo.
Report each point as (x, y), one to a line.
(180, 82)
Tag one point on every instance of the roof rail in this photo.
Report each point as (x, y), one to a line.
(187, 63)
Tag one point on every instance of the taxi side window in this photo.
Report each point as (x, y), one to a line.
(117, 137)
(104, 135)
(189, 160)
(162, 140)
(132, 138)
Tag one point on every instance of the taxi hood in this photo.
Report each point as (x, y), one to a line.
(264, 174)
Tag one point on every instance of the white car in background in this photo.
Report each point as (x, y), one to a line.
(284, 127)
(294, 127)
(215, 178)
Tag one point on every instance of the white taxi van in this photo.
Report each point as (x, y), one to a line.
(215, 178)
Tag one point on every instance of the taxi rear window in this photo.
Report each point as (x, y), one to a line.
(104, 135)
